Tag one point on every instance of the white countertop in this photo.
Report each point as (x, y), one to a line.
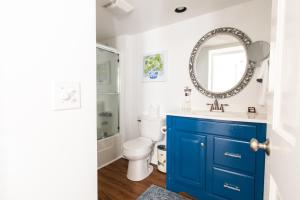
(228, 116)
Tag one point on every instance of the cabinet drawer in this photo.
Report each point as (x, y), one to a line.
(229, 129)
(232, 185)
(234, 154)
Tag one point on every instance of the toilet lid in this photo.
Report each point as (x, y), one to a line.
(139, 143)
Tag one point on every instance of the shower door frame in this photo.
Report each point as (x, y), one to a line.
(108, 145)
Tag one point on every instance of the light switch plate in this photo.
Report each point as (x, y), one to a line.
(66, 95)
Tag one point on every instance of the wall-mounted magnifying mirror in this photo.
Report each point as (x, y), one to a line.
(219, 64)
(258, 51)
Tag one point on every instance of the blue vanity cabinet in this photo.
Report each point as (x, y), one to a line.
(212, 159)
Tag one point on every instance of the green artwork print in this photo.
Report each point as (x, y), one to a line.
(154, 67)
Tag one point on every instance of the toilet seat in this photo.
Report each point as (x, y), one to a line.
(139, 145)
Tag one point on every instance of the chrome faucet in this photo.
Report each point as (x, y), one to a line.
(216, 106)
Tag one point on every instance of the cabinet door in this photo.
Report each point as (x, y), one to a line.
(190, 158)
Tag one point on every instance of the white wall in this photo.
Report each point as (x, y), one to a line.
(178, 40)
(46, 154)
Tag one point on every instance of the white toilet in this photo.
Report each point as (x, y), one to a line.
(138, 151)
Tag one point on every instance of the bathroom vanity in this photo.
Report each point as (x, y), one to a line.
(209, 155)
(218, 155)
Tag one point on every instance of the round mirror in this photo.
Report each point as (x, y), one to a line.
(219, 66)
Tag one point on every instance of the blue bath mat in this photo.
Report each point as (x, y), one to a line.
(157, 193)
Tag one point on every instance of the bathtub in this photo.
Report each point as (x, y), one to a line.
(109, 150)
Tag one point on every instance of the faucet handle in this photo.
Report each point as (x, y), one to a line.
(211, 106)
(222, 106)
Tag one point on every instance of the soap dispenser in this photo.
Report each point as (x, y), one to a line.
(186, 107)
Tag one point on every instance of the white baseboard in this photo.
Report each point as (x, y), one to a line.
(119, 157)
(104, 165)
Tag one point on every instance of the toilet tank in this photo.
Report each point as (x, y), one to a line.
(150, 127)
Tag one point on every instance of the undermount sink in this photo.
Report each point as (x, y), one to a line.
(228, 116)
(217, 114)
(198, 112)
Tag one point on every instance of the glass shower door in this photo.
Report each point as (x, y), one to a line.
(107, 93)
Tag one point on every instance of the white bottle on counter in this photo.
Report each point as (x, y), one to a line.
(186, 107)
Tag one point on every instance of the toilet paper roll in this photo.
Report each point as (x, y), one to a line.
(163, 130)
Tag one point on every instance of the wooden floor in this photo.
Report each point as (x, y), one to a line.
(113, 184)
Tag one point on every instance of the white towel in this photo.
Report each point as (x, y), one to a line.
(263, 73)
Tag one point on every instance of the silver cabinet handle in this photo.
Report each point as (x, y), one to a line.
(232, 187)
(233, 155)
(202, 145)
(255, 146)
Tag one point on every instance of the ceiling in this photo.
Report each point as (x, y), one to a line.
(150, 14)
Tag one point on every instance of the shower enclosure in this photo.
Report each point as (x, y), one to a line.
(107, 105)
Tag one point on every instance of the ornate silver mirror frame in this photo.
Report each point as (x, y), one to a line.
(245, 40)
